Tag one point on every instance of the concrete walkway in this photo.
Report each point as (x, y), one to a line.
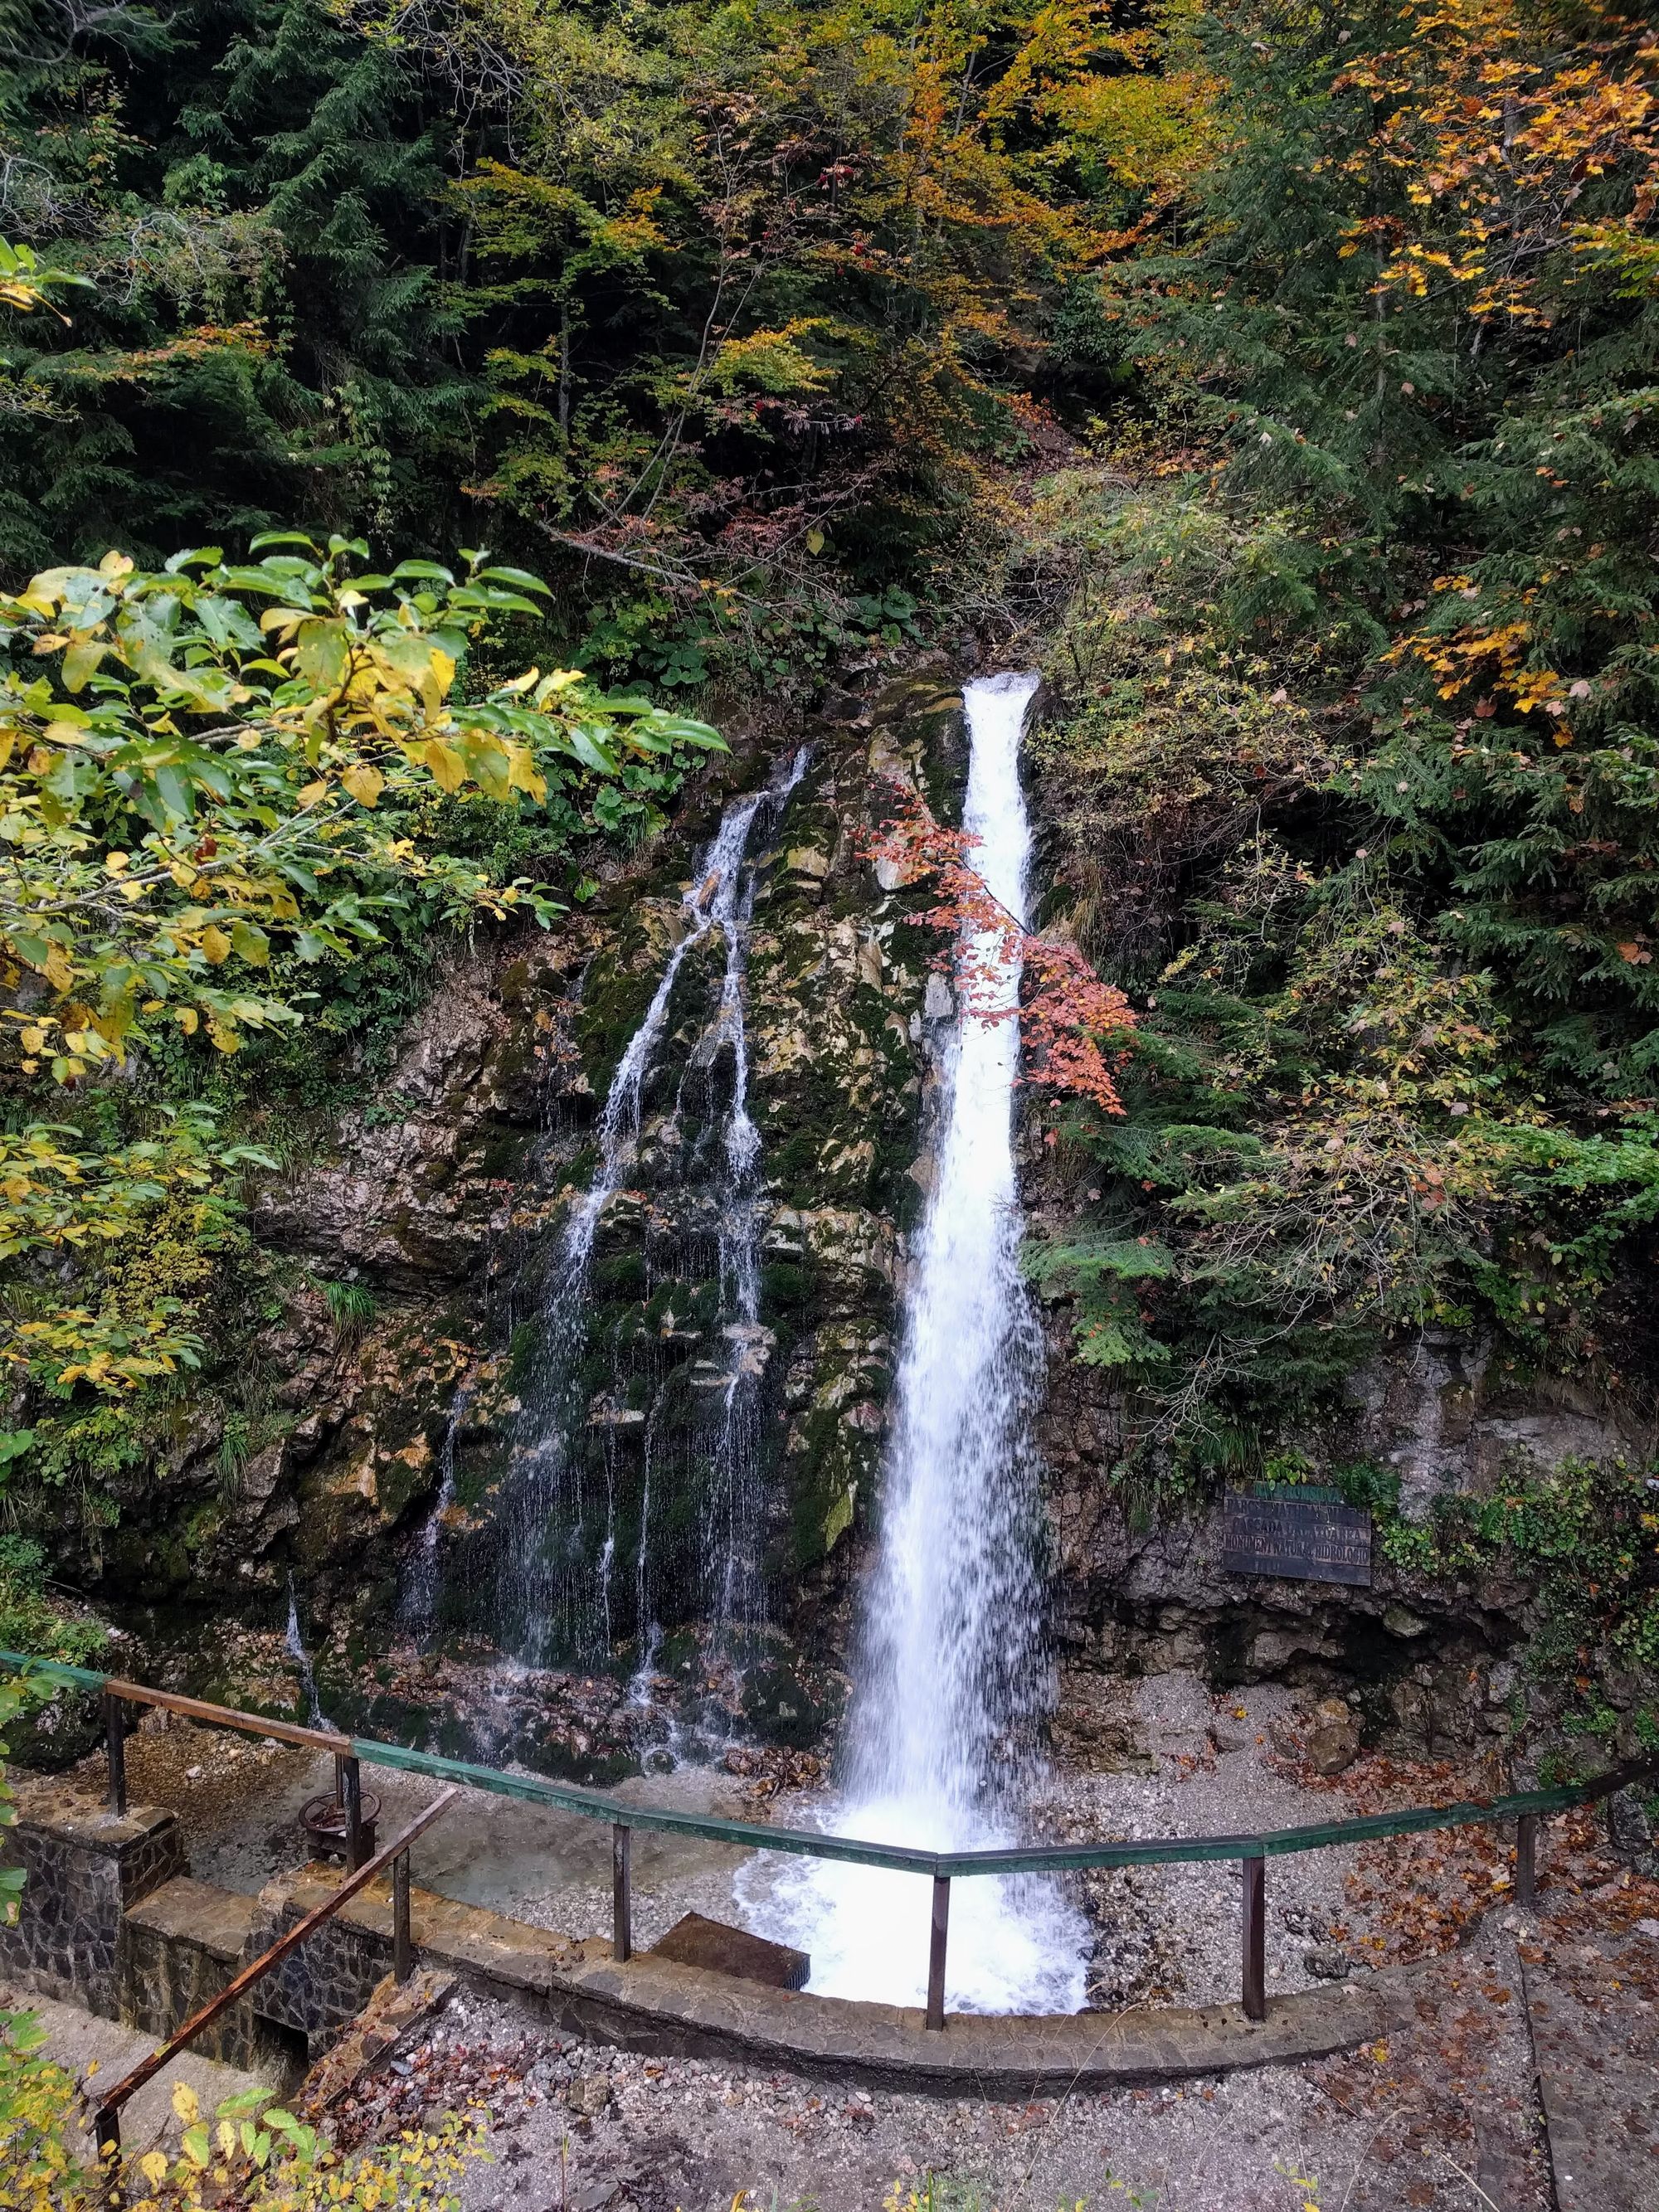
(98, 2052)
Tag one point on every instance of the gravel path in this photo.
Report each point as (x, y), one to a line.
(1446, 2113)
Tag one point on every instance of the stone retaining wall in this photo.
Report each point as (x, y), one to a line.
(178, 1948)
(86, 1868)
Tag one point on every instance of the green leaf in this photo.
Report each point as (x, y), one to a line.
(521, 577)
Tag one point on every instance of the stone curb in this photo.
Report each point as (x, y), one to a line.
(675, 2011)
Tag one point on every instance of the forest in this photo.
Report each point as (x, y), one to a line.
(441, 440)
(1289, 373)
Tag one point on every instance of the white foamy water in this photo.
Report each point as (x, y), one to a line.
(953, 1673)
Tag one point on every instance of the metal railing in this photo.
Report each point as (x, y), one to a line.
(107, 2127)
(1525, 1808)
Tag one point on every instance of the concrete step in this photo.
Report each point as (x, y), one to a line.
(98, 2052)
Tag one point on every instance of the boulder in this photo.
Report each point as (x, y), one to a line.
(1331, 1743)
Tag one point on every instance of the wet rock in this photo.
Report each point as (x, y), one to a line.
(1398, 1622)
(1327, 1962)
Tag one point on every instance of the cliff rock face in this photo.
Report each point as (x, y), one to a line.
(418, 1246)
(402, 1371)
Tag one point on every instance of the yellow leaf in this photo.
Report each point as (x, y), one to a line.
(440, 674)
(364, 783)
(154, 2168)
(312, 792)
(522, 773)
(445, 762)
(322, 653)
(82, 661)
(34, 1040)
(215, 943)
(184, 2097)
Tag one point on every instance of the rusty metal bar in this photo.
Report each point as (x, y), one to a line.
(938, 1934)
(115, 1744)
(351, 1797)
(198, 1709)
(403, 1947)
(621, 1892)
(1255, 1904)
(1526, 1859)
(108, 2125)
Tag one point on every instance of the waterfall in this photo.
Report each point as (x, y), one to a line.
(551, 1599)
(315, 1717)
(951, 1675)
(731, 1563)
(419, 1609)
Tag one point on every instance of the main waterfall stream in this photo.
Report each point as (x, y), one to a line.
(951, 1675)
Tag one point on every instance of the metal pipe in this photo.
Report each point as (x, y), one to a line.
(115, 1743)
(403, 1947)
(351, 1797)
(936, 1937)
(754, 1835)
(1254, 1890)
(107, 2127)
(1526, 1859)
(621, 1892)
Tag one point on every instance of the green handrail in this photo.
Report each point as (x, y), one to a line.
(812, 1842)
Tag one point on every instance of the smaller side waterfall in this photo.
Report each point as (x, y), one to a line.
(560, 1580)
(951, 1679)
(315, 1717)
(419, 1608)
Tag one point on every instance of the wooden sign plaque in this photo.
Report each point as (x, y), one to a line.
(1309, 1536)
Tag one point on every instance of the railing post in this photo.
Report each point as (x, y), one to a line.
(351, 1797)
(1526, 1859)
(106, 2131)
(941, 1928)
(115, 1741)
(622, 1893)
(1253, 1889)
(402, 1948)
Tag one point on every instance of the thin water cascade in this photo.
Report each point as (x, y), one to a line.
(419, 1608)
(550, 1604)
(315, 1717)
(951, 1675)
(732, 1567)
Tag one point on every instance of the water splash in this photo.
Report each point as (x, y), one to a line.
(551, 1599)
(952, 1676)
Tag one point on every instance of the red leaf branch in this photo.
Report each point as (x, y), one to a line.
(1074, 1027)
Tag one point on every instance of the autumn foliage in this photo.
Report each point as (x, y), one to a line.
(1074, 1027)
